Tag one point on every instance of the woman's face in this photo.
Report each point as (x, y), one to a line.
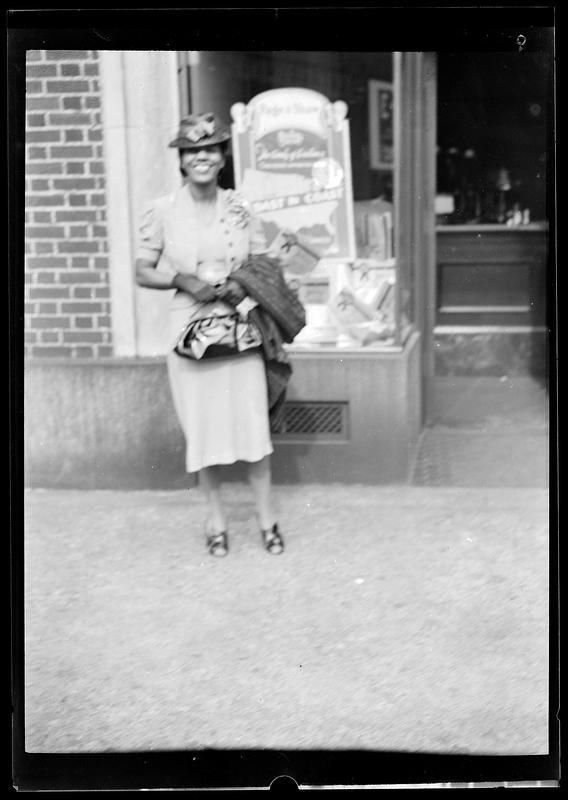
(202, 164)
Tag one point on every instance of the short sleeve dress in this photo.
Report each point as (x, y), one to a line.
(222, 403)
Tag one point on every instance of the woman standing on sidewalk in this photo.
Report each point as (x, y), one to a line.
(191, 241)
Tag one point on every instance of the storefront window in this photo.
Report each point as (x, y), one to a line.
(493, 138)
(314, 153)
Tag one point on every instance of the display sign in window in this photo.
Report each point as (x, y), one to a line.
(292, 163)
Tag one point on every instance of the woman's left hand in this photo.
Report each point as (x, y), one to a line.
(231, 292)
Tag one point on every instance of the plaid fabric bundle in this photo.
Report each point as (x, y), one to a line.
(279, 317)
(263, 280)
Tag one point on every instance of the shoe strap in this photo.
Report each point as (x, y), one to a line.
(272, 537)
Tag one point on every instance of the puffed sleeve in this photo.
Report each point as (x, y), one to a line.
(150, 236)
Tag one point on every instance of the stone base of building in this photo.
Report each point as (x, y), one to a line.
(491, 352)
(352, 417)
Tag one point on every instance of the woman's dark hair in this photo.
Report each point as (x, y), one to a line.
(223, 147)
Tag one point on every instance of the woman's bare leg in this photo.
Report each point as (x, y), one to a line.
(210, 483)
(260, 478)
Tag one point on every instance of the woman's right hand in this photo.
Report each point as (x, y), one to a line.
(194, 286)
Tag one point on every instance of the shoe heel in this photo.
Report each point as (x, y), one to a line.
(217, 542)
(272, 540)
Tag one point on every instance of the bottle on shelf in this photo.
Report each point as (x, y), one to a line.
(471, 193)
(515, 215)
(455, 181)
(445, 184)
(503, 195)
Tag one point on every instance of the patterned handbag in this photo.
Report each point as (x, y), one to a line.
(217, 336)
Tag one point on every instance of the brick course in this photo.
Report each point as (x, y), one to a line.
(66, 234)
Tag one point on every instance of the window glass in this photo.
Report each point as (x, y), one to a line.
(350, 302)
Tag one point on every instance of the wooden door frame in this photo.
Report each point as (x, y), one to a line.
(415, 189)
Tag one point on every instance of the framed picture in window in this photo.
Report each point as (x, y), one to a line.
(381, 120)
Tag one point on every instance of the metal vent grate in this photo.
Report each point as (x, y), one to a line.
(309, 420)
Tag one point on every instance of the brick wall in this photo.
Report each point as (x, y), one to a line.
(67, 295)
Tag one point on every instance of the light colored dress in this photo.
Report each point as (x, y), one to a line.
(221, 403)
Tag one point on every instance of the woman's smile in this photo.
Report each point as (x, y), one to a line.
(202, 167)
(203, 164)
(203, 171)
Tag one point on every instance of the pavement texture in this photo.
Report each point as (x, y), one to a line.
(410, 618)
(486, 432)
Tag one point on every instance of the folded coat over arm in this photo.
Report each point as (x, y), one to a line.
(279, 316)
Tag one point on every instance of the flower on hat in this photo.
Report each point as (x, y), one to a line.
(205, 127)
(197, 130)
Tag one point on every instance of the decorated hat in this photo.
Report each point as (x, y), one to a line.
(200, 130)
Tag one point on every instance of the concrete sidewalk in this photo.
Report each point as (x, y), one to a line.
(486, 432)
(399, 618)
